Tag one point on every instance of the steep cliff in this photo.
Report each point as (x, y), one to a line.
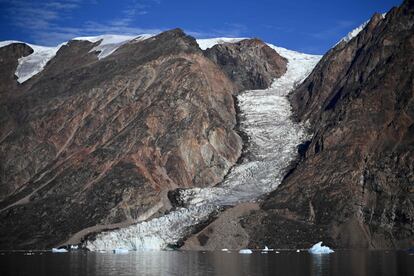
(354, 186)
(250, 63)
(95, 143)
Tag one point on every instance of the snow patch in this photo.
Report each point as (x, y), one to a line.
(320, 249)
(110, 43)
(206, 43)
(35, 62)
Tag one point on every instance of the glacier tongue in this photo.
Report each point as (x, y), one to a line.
(273, 138)
(34, 63)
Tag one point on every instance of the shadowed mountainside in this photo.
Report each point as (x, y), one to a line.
(354, 185)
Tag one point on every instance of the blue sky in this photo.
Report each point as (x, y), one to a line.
(307, 26)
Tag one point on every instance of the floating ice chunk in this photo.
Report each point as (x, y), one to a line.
(59, 250)
(224, 249)
(120, 251)
(245, 251)
(266, 249)
(74, 247)
(320, 249)
(297, 250)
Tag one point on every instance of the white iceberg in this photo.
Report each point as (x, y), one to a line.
(120, 251)
(245, 251)
(224, 249)
(59, 250)
(320, 249)
(266, 249)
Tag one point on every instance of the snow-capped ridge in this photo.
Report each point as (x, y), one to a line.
(34, 63)
(205, 43)
(356, 31)
(110, 43)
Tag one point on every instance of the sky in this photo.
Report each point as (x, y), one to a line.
(310, 26)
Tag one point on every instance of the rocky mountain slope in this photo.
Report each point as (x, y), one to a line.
(95, 141)
(354, 186)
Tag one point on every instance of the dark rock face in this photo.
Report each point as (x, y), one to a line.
(95, 144)
(355, 184)
(250, 63)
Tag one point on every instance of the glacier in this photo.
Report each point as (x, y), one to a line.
(266, 118)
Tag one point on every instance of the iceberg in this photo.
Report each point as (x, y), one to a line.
(245, 251)
(59, 250)
(266, 249)
(320, 249)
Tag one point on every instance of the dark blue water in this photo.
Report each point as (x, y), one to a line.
(289, 263)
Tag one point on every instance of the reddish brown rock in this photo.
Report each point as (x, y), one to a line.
(250, 63)
(94, 142)
(89, 144)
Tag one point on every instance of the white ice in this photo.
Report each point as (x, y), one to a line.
(266, 249)
(205, 43)
(320, 249)
(245, 251)
(59, 250)
(110, 43)
(120, 251)
(273, 137)
(34, 63)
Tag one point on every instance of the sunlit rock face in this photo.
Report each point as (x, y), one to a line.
(91, 142)
(354, 186)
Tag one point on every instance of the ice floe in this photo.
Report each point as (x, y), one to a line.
(59, 250)
(320, 249)
(245, 251)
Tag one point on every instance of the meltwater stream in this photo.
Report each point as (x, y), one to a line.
(273, 139)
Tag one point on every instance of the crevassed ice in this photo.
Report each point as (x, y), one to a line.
(274, 137)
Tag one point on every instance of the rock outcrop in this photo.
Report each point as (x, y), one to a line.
(90, 144)
(250, 63)
(354, 186)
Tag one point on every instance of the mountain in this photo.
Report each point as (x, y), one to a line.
(96, 131)
(162, 141)
(353, 187)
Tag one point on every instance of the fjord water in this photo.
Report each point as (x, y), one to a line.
(345, 262)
